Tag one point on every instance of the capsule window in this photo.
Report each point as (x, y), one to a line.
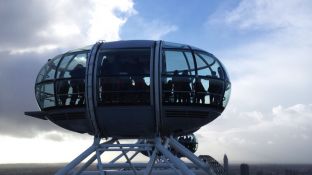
(196, 79)
(178, 73)
(70, 83)
(48, 71)
(211, 73)
(44, 83)
(72, 66)
(227, 94)
(124, 77)
(45, 95)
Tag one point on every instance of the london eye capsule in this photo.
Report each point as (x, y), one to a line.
(132, 89)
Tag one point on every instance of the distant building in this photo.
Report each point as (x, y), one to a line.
(260, 172)
(226, 165)
(244, 169)
(291, 172)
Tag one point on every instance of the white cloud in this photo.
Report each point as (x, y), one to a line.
(272, 139)
(38, 50)
(31, 33)
(65, 24)
(153, 29)
(156, 29)
(105, 23)
(40, 150)
(273, 68)
(267, 14)
(268, 72)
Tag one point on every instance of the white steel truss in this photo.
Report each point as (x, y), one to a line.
(161, 159)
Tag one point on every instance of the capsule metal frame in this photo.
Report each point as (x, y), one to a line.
(158, 118)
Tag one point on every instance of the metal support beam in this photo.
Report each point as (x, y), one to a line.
(86, 165)
(151, 163)
(141, 172)
(161, 161)
(188, 154)
(121, 154)
(99, 165)
(80, 158)
(176, 161)
(127, 158)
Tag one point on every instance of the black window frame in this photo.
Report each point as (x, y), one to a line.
(99, 76)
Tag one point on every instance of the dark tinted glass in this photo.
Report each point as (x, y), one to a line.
(195, 80)
(211, 74)
(70, 83)
(178, 73)
(124, 76)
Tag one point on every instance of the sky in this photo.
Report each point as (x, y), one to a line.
(265, 45)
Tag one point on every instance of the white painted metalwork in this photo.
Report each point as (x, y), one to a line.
(161, 160)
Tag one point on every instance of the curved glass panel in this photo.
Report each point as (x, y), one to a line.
(208, 66)
(72, 66)
(178, 72)
(211, 73)
(227, 94)
(226, 74)
(70, 83)
(124, 76)
(48, 71)
(45, 95)
(197, 80)
(68, 87)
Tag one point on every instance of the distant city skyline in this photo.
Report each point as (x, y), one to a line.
(226, 164)
(265, 46)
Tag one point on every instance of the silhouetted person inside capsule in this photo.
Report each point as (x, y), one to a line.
(106, 81)
(146, 85)
(112, 80)
(215, 89)
(185, 87)
(221, 90)
(200, 92)
(167, 88)
(62, 87)
(138, 72)
(177, 87)
(77, 83)
(221, 74)
(125, 82)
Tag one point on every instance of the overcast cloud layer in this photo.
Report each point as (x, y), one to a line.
(269, 117)
(32, 32)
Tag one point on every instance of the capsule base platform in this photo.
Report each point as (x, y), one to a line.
(161, 161)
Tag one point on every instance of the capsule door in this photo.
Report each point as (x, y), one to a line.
(124, 107)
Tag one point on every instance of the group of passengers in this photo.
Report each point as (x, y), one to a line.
(181, 89)
(122, 82)
(76, 83)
